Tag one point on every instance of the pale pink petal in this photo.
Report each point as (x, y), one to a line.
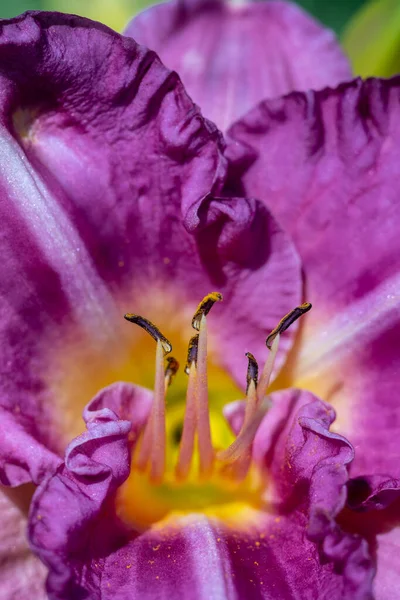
(230, 56)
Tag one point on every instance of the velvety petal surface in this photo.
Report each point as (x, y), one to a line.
(107, 176)
(387, 581)
(98, 460)
(292, 549)
(232, 55)
(22, 573)
(336, 192)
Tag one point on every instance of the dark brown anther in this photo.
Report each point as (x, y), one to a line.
(192, 352)
(252, 371)
(171, 369)
(151, 330)
(204, 308)
(287, 321)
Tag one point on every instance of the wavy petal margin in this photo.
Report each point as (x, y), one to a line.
(336, 192)
(293, 549)
(373, 509)
(108, 177)
(231, 56)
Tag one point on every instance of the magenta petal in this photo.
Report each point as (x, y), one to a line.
(199, 558)
(99, 459)
(372, 493)
(387, 581)
(22, 457)
(375, 504)
(130, 402)
(73, 180)
(293, 549)
(232, 56)
(94, 226)
(336, 193)
(253, 263)
(22, 574)
(295, 430)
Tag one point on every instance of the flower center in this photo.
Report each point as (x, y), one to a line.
(203, 476)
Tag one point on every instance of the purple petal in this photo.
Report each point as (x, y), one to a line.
(22, 457)
(98, 460)
(372, 493)
(292, 549)
(94, 226)
(377, 502)
(199, 558)
(129, 402)
(232, 56)
(387, 581)
(69, 145)
(336, 192)
(22, 574)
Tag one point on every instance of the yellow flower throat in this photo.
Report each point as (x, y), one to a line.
(193, 474)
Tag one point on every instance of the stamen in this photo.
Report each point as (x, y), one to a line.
(170, 370)
(145, 445)
(189, 427)
(204, 308)
(287, 321)
(268, 368)
(151, 330)
(256, 406)
(192, 352)
(158, 419)
(242, 464)
(252, 401)
(206, 452)
(252, 370)
(245, 437)
(153, 441)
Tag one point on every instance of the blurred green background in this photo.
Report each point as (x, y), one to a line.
(334, 13)
(369, 30)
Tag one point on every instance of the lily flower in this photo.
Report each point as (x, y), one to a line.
(325, 164)
(115, 200)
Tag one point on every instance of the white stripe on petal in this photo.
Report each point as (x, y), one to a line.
(59, 241)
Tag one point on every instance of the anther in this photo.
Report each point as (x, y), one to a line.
(287, 321)
(192, 352)
(252, 371)
(151, 330)
(204, 308)
(171, 369)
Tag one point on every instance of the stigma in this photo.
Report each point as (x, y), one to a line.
(235, 460)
